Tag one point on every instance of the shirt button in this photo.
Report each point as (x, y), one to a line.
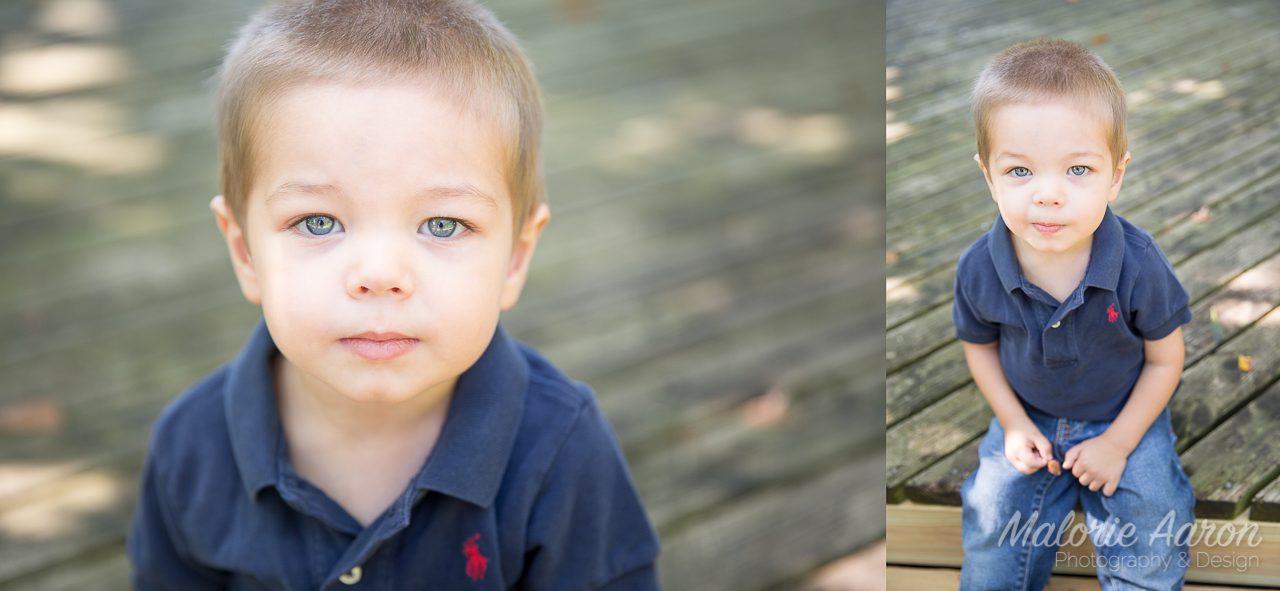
(352, 577)
(1056, 324)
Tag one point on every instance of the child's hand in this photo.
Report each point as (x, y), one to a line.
(1097, 463)
(1027, 448)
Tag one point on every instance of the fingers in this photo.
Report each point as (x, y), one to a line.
(1043, 447)
(1096, 482)
(1021, 464)
(1069, 459)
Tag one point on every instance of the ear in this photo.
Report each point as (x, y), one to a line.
(521, 254)
(241, 260)
(1118, 177)
(985, 175)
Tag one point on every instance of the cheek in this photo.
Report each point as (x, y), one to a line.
(295, 286)
(475, 281)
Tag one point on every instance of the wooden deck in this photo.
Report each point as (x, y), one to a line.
(1203, 80)
(716, 182)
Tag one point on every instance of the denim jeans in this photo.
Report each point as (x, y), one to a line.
(1154, 495)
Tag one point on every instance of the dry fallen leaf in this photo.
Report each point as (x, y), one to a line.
(766, 409)
(1100, 38)
(1201, 215)
(577, 11)
(890, 257)
(1219, 333)
(33, 416)
(1245, 362)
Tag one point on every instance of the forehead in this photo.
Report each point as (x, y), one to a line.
(382, 139)
(1049, 127)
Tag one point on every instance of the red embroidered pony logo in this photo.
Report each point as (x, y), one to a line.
(476, 562)
(1111, 313)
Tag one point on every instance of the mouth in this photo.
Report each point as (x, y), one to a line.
(1048, 229)
(379, 346)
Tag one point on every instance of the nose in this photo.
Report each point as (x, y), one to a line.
(1050, 193)
(380, 267)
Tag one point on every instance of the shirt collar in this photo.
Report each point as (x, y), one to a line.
(469, 458)
(1106, 254)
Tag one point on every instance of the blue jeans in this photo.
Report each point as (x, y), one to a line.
(1154, 496)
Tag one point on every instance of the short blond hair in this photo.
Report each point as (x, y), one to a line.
(1046, 70)
(457, 47)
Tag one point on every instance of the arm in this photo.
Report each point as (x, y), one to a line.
(1024, 445)
(1100, 461)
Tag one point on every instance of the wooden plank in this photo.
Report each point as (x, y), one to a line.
(1238, 304)
(863, 570)
(1266, 504)
(925, 334)
(926, 437)
(922, 535)
(106, 569)
(778, 533)
(1140, 56)
(908, 300)
(940, 483)
(1237, 459)
(66, 518)
(770, 439)
(1215, 387)
(925, 382)
(940, 109)
(598, 342)
(939, 579)
(647, 404)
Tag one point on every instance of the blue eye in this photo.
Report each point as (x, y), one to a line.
(319, 225)
(1020, 171)
(443, 227)
(1078, 170)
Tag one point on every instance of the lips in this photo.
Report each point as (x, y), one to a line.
(1048, 229)
(379, 346)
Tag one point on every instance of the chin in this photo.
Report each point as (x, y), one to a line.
(376, 393)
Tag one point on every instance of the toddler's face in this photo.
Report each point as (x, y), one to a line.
(380, 229)
(1050, 172)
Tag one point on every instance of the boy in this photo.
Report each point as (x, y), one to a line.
(1070, 319)
(382, 199)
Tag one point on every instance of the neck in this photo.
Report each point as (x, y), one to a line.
(308, 405)
(1067, 259)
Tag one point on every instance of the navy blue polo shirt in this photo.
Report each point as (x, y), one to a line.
(526, 488)
(1077, 359)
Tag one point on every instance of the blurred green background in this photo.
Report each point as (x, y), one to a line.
(716, 175)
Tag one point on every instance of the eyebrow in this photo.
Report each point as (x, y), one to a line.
(1083, 154)
(463, 191)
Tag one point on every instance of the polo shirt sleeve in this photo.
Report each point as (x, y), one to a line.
(154, 548)
(1159, 303)
(588, 529)
(970, 327)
